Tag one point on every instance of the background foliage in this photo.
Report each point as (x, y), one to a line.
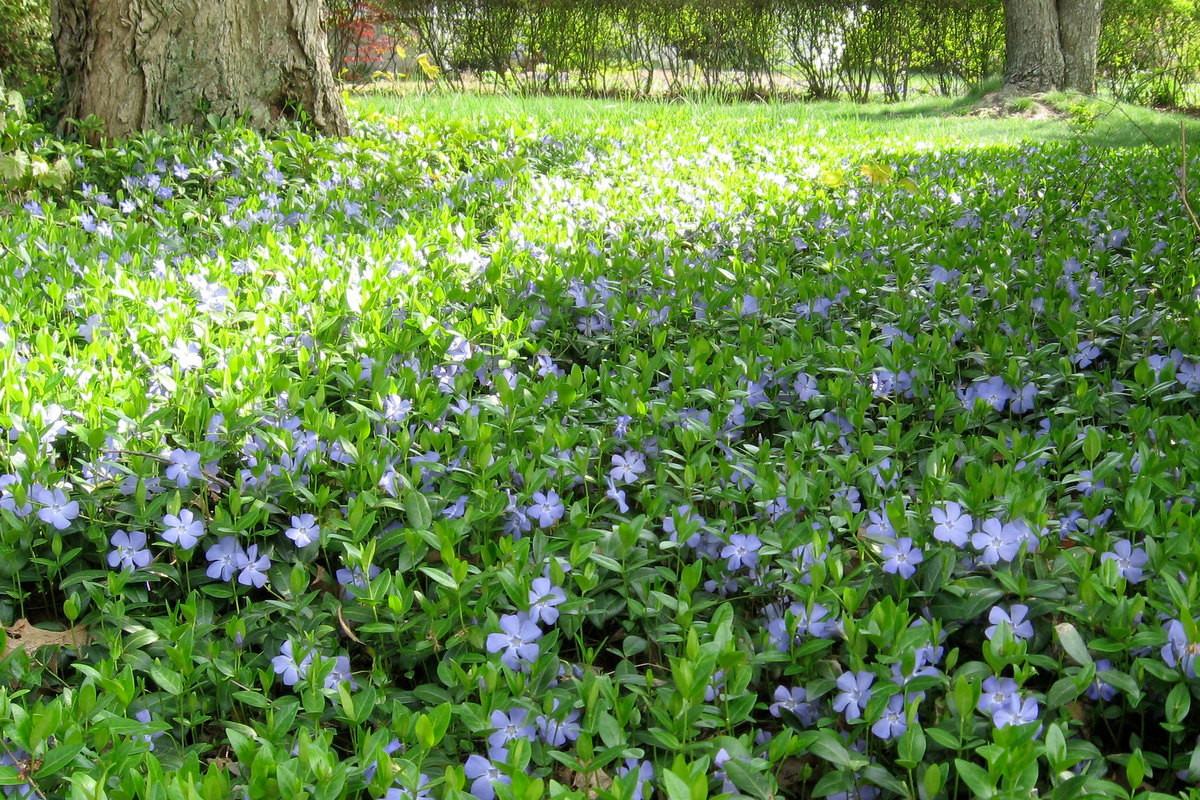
(26, 58)
(881, 49)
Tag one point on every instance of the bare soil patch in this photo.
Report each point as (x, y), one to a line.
(1012, 102)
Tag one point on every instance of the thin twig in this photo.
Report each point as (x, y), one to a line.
(1183, 173)
(164, 460)
(24, 769)
(1180, 181)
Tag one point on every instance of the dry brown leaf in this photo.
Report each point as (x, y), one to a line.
(23, 634)
(226, 764)
(791, 772)
(590, 782)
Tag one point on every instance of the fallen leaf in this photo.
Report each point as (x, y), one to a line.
(792, 771)
(226, 764)
(23, 634)
(877, 173)
(590, 782)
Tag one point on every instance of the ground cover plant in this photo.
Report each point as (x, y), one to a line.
(636, 452)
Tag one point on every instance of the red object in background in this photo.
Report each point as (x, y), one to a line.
(369, 45)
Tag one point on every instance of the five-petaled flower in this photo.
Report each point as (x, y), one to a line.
(56, 509)
(304, 530)
(1130, 560)
(517, 639)
(644, 776)
(796, 701)
(183, 530)
(855, 693)
(1014, 617)
(996, 541)
(1016, 711)
(951, 524)
(547, 508)
(253, 567)
(742, 551)
(627, 466)
(902, 558)
(286, 665)
(184, 467)
(543, 597)
(616, 495)
(129, 550)
(513, 725)
(894, 722)
(996, 693)
(404, 793)
(340, 673)
(223, 559)
(484, 775)
(557, 732)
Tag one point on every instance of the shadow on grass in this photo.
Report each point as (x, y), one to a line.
(1112, 124)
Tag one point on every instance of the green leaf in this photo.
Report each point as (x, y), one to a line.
(1062, 692)
(610, 564)
(167, 678)
(933, 780)
(945, 738)
(1193, 767)
(976, 778)
(54, 760)
(1135, 770)
(440, 577)
(910, 750)
(677, 788)
(38, 168)
(14, 104)
(1179, 702)
(1122, 682)
(14, 166)
(825, 744)
(1072, 643)
(287, 773)
(879, 776)
(749, 780)
(1056, 747)
(416, 506)
(251, 698)
(609, 730)
(424, 731)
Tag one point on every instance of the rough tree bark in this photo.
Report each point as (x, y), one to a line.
(142, 64)
(1079, 32)
(1051, 44)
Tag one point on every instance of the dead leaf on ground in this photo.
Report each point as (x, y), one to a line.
(226, 764)
(590, 782)
(791, 772)
(23, 634)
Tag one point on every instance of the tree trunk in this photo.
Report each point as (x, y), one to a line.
(1079, 32)
(1033, 60)
(142, 64)
(1051, 44)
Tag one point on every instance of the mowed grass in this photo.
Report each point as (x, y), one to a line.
(947, 121)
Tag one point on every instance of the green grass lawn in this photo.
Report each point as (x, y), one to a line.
(927, 119)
